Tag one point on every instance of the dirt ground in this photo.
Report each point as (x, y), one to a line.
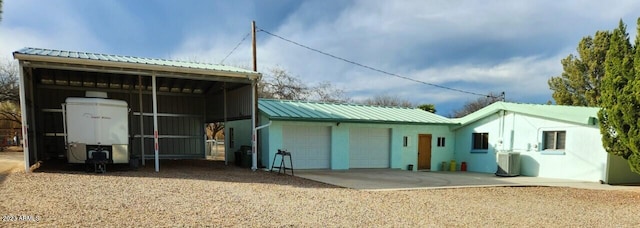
(208, 193)
(11, 160)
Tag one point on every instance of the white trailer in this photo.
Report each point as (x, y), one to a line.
(96, 127)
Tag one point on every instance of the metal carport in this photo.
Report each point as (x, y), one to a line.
(169, 100)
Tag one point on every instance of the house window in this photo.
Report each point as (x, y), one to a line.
(405, 141)
(554, 140)
(440, 141)
(480, 141)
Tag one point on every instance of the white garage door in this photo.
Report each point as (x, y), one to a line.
(369, 147)
(310, 147)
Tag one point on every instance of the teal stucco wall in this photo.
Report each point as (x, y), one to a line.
(339, 144)
(409, 154)
(400, 156)
(583, 157)
(241, 137)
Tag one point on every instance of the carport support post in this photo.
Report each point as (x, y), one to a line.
(224, 108)
(25, 121)
(155, 121)
(141, 119)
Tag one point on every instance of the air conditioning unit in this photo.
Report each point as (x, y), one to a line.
(508, 164)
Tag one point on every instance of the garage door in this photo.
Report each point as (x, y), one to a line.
(310, 147)
(369, 147)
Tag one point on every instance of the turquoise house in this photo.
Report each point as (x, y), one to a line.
(344, 136)
(552, 141)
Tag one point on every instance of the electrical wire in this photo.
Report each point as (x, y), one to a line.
(372, 68)
(234, 49)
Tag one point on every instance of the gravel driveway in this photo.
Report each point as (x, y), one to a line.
(201, 193)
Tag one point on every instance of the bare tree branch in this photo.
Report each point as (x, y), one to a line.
(478, 104)
(213, 129)
(388, 101)
(9, 93)
(326, 92)
(9, 90)
(280, 84)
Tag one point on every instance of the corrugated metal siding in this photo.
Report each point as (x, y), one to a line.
(238, 105)
(239, 102)
(128, 59)
(302, 110)
(49, 125)
(180, 124)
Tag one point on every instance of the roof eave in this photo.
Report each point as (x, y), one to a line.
(142, 66)
(353, 121)
(591, 121)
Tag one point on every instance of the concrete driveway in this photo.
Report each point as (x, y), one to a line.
(391, 179)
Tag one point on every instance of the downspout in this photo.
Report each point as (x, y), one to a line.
(263, 126)
(254, 155)
(501, 132)
(256, 131)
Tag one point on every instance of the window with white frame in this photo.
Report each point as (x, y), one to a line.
(480, 141)
(554, 140)
(440, 141)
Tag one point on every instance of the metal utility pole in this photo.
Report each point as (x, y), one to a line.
(253, 46)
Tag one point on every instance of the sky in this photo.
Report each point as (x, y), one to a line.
(476, 46)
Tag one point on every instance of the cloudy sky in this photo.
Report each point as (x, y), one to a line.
(476, 46)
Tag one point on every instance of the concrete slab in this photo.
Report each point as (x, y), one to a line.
(390, 179)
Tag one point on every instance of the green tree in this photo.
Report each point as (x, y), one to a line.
(428, 107)
(579, 83)
(620, 99)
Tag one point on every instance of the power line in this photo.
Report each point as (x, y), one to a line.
(372, 68)
(234, 49)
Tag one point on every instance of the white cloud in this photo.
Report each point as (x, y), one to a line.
(55, 29)
(479, 46)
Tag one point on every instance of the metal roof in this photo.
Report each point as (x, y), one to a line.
(319, 111)
(571, 114)
(61, 56)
